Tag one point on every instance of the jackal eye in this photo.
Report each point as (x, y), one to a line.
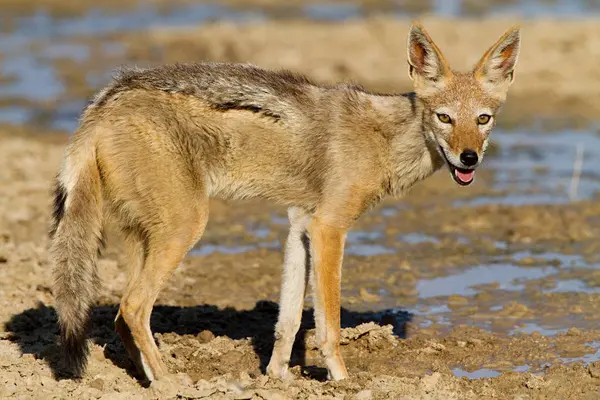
(444, 118)
(483, 119)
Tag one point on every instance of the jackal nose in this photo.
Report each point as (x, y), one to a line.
(468, 158)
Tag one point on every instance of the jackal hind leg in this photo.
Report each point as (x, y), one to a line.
(162, 252)
(135, 259)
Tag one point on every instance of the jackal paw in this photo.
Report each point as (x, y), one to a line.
(280, 371)
(337, 375)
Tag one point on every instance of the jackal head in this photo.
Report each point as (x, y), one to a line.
(460, 108)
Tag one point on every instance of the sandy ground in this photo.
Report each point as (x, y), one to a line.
(215, 318)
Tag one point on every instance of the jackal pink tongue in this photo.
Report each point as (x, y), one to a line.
(465, 176)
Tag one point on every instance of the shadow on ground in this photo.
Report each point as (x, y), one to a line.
(35, 330)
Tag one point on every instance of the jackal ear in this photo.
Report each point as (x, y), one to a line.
(496, 69)
(427, 64)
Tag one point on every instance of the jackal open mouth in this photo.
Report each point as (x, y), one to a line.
(462, 176)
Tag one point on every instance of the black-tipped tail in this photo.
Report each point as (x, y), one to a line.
(76, 236)
(75, 352)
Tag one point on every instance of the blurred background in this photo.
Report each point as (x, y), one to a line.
(517, 252)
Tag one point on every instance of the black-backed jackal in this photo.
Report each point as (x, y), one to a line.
(157, 143)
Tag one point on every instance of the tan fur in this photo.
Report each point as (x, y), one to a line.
(157, 143)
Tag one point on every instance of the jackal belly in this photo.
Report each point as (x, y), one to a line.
(266, 161)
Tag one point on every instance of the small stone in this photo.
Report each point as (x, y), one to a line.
(97, 383)
(205, 336)
(573, 332)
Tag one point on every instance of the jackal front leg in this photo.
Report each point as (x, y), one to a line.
(327, 247)
(293, 288)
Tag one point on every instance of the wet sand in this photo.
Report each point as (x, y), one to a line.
(490, 291)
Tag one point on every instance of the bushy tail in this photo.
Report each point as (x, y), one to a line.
(76, 237)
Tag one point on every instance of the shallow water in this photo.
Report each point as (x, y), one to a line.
(531, 327)
(416, 238)
(477, 374)
(31, 79)
(573, 286)
(537, 168)
(508, 277)
(508, 281)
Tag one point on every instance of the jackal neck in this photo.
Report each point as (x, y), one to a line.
(412, 154)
